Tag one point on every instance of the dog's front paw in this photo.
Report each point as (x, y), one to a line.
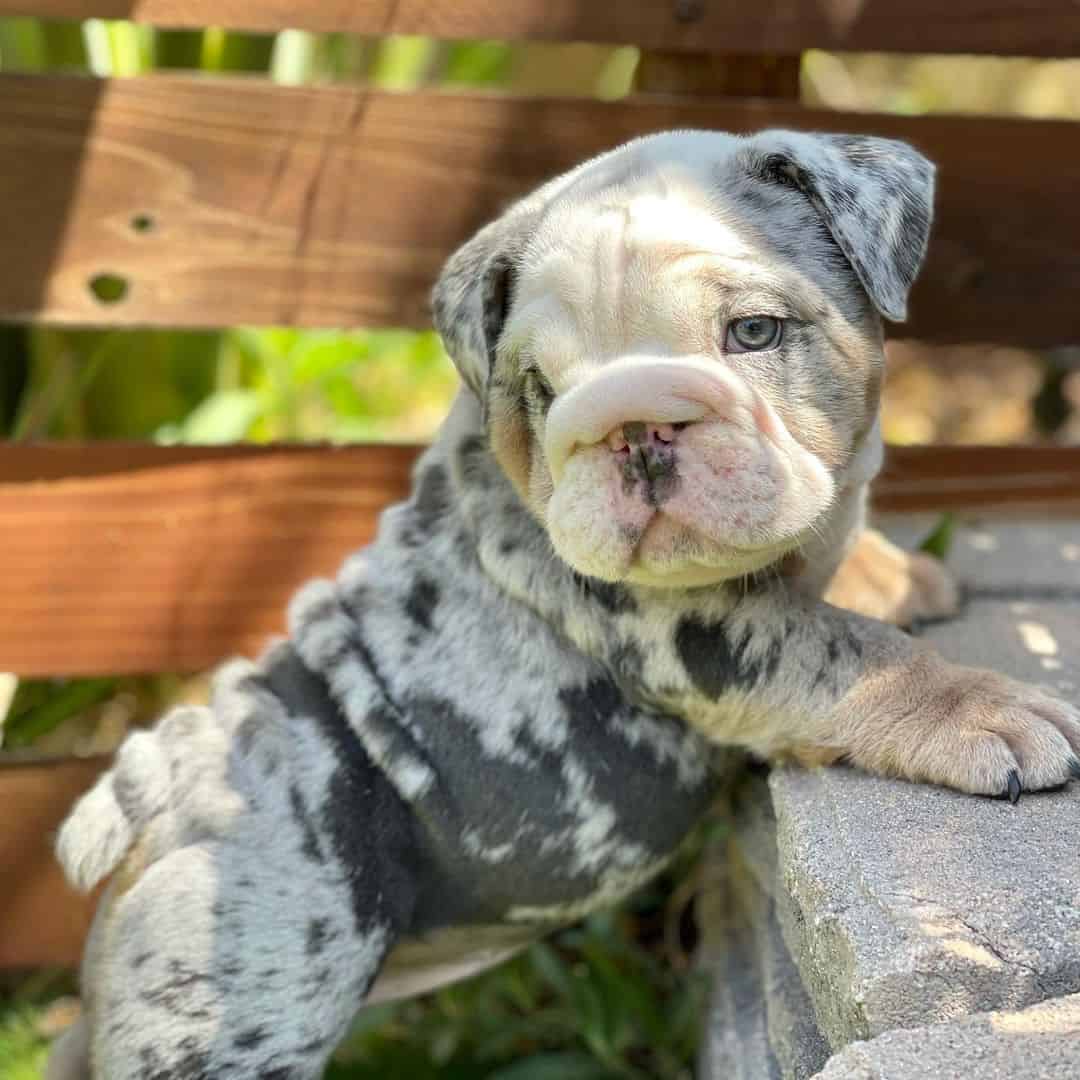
(882, 581)
(976, 731)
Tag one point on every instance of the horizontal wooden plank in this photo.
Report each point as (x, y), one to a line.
(122, 559)
(1043, 479)
(35, 462)
(150, 565)
(1017, 27)
(221, 202)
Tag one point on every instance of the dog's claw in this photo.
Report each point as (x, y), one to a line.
(1074, 768)
(1013, 791)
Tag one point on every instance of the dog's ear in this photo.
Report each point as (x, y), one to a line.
(472, 298)
(874, 195)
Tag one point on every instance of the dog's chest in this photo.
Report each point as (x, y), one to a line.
(539, 791)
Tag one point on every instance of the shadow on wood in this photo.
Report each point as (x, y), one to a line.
(42, 921)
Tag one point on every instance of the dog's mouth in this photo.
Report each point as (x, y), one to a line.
(709, 485)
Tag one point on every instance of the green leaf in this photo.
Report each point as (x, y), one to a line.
(477, 63)
(178, 49)
(227, 51)
(67, 700)
(23, 46)
(294, 60)
(402, 61)
(686, 1011)
(552, 969)
(629, 997)
(223, 417)
(941, 537)
(22, 1049)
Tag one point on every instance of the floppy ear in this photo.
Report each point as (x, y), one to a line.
(874, 195)
(470, 304)
(474, 292)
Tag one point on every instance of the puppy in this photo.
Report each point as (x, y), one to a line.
(504, 713)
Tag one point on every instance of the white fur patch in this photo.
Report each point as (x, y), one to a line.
(94, 838)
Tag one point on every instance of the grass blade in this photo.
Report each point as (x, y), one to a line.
(66, 701)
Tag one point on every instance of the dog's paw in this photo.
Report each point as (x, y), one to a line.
(882, 581)
(985, 734)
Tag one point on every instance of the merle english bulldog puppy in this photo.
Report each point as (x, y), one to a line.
(501, 714)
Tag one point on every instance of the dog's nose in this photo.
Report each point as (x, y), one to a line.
(645, 452)
(657, 394)
(640, 434)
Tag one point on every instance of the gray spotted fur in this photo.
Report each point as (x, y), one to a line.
(463, 743)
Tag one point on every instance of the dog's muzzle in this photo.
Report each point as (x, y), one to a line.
(636, 403)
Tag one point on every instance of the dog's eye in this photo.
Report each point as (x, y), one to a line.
(753, 334)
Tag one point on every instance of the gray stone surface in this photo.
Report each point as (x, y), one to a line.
(1033, 556)
(1034, 640)
(763, 1025)
(736, 1045)
(879, 905)
(911, 905)
(1038, 1043)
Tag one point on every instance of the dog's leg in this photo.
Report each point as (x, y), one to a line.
(783, 674)
(882, 581)
(255, 899)
(227, 960)
(790, 676)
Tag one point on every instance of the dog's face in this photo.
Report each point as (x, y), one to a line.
(678, 345)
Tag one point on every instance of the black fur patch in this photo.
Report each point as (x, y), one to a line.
(474, 462)
(309, 846)
(717, 663)
(627, 662)
(318, 934)
(421, 602)
(615, 599)
(370, 833)
(192, 1064)
(173, 993)
(362, 821)
(428, 506)
(594, 703)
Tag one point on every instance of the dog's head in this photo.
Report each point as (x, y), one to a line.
(678, 345)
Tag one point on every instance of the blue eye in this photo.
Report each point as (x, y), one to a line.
(755, 333)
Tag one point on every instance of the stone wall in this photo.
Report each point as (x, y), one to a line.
(865, 928)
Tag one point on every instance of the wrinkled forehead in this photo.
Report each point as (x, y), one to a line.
(627, 234)
(669, 235)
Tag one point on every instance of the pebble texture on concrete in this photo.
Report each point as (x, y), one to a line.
(852, 908)
(1041, 1042)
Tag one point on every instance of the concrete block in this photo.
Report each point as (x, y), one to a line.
(911, 905)
(1038, 1043)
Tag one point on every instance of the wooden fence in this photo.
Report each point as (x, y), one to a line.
(217, 201)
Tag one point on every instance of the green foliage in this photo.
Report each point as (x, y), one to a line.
(940, 538)
(209, 387)
(40, 707)
(23, 1045)
(599, 1001)
(591, 1003)
(22, 1049)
